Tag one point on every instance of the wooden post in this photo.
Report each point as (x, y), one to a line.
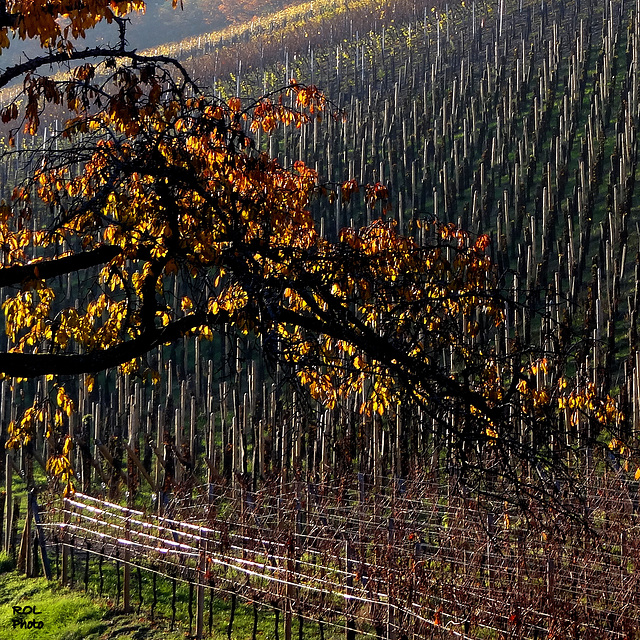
(178, 444)
(96, 439)
(490, 533)
(159, 445)
(126, 591)
(550, 571)
(65, 548)
(200, 596)
(197, 372)
(24, 554)
(391, 634)
(211, 449)
(350, 630)
(8, 473)
(288, 613)
(41, 535)
(193, 449)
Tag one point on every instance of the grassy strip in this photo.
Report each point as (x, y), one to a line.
(68, 614)
(63, 614)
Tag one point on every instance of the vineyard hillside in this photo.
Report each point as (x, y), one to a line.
(326, 321)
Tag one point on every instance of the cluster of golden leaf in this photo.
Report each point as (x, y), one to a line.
(219, 196)
(170, 190)
(404, 301)
(55, 22)
(59, 467)
(21, 431)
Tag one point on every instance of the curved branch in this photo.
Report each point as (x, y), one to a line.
(34, 64)
(46, 269)
(370, 342)
(29, 365)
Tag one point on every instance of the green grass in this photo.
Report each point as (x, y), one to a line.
(68, 615)
(6, 562)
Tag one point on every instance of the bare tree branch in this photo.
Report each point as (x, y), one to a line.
(45, 269)
(26, 365)
(59, 58)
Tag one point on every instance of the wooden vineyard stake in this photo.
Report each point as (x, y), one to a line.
(41, 537)
(210, 457)
(99, 477)
(232, 613)
(210, 625)
(173, 602)
(65, 547)
(8, 496)
(254, 629)
(140, 597)
(25, 551)
(290, 591)
(202, 566)
(118, 579)
(350, 630)
(190, 607)
(193, 434)
(154, 589)
(550, 569)
(159, 444)
(126, 591)
(86, 565)
(72, 561)
(390, 586)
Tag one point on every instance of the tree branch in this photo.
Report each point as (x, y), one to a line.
(53, 267)
(380, 349)
(34, 64)
(28, 365)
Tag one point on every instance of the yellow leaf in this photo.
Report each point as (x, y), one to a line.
(68, 445)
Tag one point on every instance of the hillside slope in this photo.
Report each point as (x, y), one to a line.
(520, 123)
